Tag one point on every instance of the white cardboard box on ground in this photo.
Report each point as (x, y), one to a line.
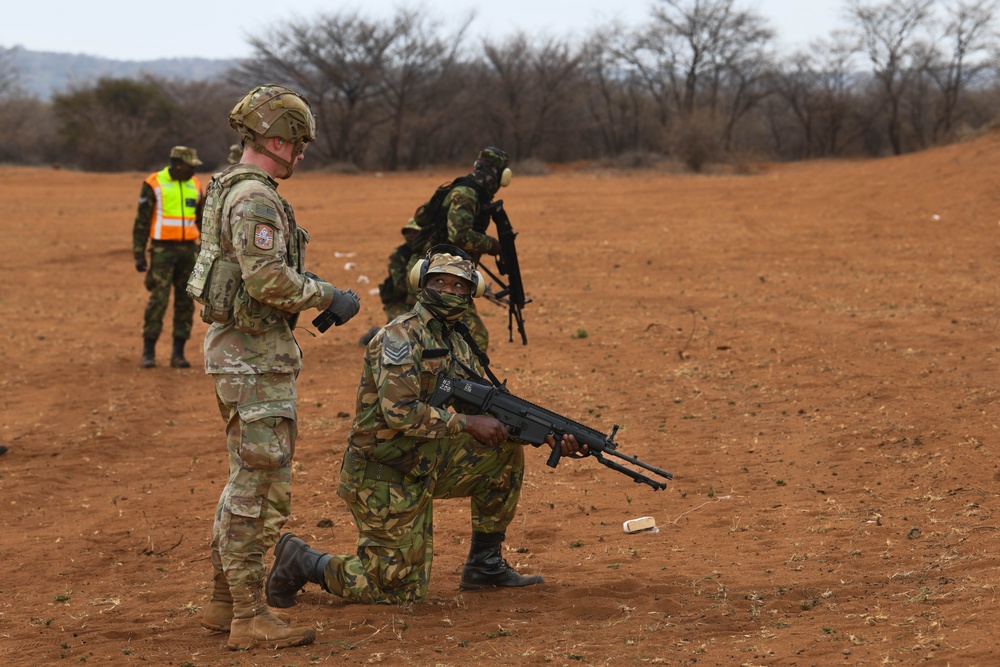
(639, 525)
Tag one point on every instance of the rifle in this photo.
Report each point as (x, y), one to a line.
(513, 291)
(532, 423)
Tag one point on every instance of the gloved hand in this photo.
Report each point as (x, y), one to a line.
(344, 306)
(140, 264)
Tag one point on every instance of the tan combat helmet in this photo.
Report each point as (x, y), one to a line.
(274, 111)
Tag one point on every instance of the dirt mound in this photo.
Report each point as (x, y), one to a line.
(811, 349)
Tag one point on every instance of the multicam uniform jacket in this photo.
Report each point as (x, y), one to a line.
(258, 231)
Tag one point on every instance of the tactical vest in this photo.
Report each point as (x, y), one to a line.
(217, 283)
(176, 207)
(432, 217)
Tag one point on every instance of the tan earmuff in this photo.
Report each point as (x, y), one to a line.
(505, 177)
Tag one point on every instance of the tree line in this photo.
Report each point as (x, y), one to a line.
(700, 81)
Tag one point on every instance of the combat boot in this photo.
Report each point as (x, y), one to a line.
(295, 565)
(218, 614)
(177, 359)
(254, 625)
(486, 567)
(148, 353)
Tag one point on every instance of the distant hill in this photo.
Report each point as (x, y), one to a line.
(44, 74)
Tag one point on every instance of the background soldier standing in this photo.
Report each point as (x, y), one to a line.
(455, 214)
(250, 276)
(169, 218)
(403, 454)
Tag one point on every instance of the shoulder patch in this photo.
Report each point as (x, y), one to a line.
(396, 353)
(396, 347)
(263, 236)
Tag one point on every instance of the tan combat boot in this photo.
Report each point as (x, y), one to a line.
(219, 611)
(254, 625)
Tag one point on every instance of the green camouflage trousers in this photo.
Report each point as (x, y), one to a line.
(395, 521)
(170, 265)
(259, 412)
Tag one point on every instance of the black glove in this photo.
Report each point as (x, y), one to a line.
(140, 264)
(344, 306)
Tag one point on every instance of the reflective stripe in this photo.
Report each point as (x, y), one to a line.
(175, 209)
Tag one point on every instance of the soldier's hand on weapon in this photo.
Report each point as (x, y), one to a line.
(568, 445)
(140, 264)
(486, 429)
(495, 248)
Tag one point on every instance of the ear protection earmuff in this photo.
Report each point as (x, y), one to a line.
(505, 177)
(418, 274)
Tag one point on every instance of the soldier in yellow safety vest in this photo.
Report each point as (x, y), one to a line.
(169, 219)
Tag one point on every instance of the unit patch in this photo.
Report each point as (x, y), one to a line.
(263, 236)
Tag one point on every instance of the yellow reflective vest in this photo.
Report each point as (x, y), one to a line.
(176, 207)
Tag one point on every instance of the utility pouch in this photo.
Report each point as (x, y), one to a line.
(219, 293)
(251, 316)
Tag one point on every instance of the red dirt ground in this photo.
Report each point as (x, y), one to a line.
(811, 348)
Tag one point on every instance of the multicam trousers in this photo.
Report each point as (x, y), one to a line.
(259, 411)
(170, 265)
(395, 520)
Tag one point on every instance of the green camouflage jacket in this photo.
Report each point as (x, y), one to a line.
(401, 368)
(463, 214)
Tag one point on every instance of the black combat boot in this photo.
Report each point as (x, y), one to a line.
(486, 567)
(148, 353)
(177, 359)
(295, 565)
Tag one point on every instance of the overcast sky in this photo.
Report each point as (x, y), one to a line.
(149, 30)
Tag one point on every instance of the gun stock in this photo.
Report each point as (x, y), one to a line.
(532, 423)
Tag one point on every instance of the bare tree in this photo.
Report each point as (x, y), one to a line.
(415, 90)
(337, 61)
(528, 86)
(888, 33)
(9, 73)
(615, 96)
(971, 40)
(818, 86)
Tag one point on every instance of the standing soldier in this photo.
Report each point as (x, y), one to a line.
(169, 217)
(251, 278)
(457, 214)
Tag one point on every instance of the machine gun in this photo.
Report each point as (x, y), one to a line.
(511, 293)
(532, 423)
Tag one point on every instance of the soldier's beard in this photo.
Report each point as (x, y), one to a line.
(447, 308)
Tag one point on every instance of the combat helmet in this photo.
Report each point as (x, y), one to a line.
(274, 111)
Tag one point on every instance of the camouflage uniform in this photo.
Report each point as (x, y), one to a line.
(467, 223)
(170, 265)
(423, 454)
(255, 359)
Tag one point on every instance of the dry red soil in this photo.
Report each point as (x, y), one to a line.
(811, 348)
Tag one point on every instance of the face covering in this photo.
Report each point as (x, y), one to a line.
(448, 308)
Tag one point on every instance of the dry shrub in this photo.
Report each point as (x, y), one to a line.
(695, 141)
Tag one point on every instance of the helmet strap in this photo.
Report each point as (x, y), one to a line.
(289, 165)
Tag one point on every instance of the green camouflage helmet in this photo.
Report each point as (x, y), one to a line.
(274, 111)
